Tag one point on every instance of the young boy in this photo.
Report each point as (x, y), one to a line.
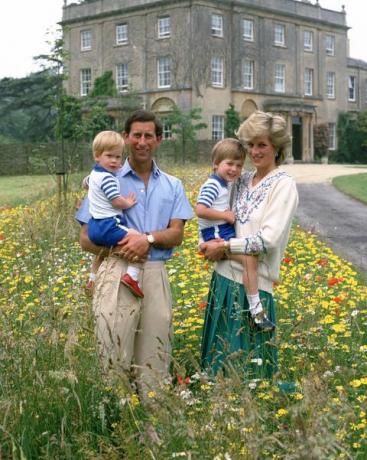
(216, 220)
(108, 225)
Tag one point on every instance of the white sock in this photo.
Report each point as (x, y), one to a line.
(254, 304)
(133, 272)
(92, 276)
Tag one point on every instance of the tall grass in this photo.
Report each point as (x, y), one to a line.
(55, 402)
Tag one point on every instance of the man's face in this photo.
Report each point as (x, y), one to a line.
(142, 140)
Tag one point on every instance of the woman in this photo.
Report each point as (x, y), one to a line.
(264, 202)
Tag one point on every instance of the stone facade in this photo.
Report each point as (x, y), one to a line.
(285, 56)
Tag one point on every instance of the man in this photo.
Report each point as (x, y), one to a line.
(135, 334)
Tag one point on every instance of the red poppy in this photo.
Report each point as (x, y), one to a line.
(202, 305)
(333, 281)
(338, 299)
(183, 380)
(287, 260)
(2, 237)
(322, 262)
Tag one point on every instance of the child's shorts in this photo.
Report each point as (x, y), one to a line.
(107, 232)
(224, 231)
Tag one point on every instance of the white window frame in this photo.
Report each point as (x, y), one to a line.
(308, 40)
(332, 136)
(279, 34)
(166, 131)
(85, 81)
(217, 25)
(330, 85)
(330, 44)
(217, 71)
(217, 127)
(164, 27)
(164, 65)
(85, 40)
(279, 78)
(248, 29)
(122, 77)
(122, 34)
(248, 74)
(308, 82)
(352, 88)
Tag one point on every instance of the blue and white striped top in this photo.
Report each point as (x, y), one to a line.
(215, 194)
(103, 187)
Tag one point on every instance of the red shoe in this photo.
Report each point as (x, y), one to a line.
(132, 285)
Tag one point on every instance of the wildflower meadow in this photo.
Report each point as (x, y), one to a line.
(55, 403)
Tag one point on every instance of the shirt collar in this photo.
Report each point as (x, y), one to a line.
(99, 168)
(127, 169)
(222, 182)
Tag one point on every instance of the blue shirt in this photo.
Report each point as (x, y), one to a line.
(163, 199)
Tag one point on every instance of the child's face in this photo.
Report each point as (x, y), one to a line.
(110, 159)
(228, 169)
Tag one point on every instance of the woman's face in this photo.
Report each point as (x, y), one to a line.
(262, 153)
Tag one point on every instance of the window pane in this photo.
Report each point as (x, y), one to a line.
(332, 136)
(85, 81)
(308, 40)
(164, 72)
(248, 30)
(351, 88)
(308, 82)
(164, 27)
(122, 78)
(330, 85)
(217, 25)
(248, 74)
(217, 71)
(85, 40)
(279, 35)
(330, 45)
(217, 127)
(121, 34)
(279, 78)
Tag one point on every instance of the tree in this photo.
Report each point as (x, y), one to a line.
(232, 121)
(321, 140)
(185, 128)
(104, 85)
(352, 138)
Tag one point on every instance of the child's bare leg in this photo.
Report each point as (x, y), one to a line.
(96, 263)
(249, 276)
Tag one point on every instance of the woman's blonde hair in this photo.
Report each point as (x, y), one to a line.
(274, 127)
(106, 140)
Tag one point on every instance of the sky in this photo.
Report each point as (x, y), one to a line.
(27, 27)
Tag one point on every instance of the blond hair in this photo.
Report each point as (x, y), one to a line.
(274, 127)
(106, 140)
(228, 149)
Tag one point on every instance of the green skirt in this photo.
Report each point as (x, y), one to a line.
(229, 344)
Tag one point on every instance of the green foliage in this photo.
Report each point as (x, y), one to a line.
(353, 185)
(185, 125)
(104, 85)
(321, 140)
(96, 119)
(232, 121)
(352, 138)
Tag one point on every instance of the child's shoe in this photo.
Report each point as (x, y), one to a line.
(132, 285)
(262, 323)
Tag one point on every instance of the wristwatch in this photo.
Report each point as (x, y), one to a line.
(150, 238)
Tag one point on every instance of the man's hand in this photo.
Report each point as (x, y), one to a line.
(213, 250)
(134, 248)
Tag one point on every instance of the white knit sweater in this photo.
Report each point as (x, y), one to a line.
(264, 214)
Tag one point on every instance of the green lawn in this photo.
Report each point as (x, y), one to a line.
(23, 190)
(354, 185)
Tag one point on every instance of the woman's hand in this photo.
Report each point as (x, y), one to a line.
(213, 250)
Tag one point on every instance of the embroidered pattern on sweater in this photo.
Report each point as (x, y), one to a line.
(251, 200)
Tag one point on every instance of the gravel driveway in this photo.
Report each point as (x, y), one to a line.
(340, 221)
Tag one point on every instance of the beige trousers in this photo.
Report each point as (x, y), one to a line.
(134, 335)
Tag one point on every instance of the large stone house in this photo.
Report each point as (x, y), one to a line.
(285, 56)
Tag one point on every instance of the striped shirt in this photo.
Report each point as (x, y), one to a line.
(215, 194)
(103, 188)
